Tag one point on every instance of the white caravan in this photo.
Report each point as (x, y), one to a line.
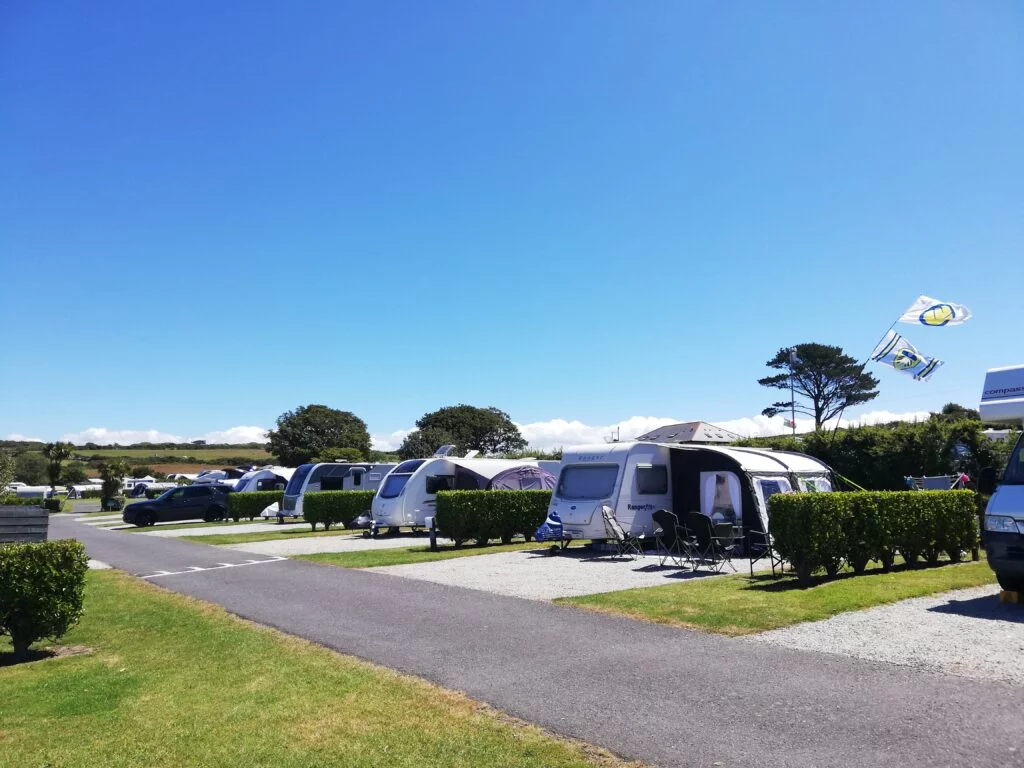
(340, 476)
(637, 478)
(79, 491)
(264, 479)
(408, 495)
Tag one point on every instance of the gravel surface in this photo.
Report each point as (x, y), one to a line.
(536, 575)
(966, 632)
(313, 545)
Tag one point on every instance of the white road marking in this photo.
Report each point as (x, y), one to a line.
(219, 566)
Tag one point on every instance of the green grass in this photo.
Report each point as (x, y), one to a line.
(419, 553)
(273, 534)
(740, 605)
(174, 682)
(205, 454)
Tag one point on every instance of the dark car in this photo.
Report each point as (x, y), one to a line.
(192, 502)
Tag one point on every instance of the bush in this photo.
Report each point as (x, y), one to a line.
(53, 504)
(17, 501)
(820, 530)
(485, 515)
(41, 587)
(251, 504)
(334, 507)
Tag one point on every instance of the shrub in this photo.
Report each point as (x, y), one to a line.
(821, 530)
(333, 507)
(17, 501)
(41, 587)
(251, 504)
(484, 515)
(53, 504)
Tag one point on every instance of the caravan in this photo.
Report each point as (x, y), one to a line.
(264, 479)
(341, 476)
(1002, 400)
(408, 495)
(636, 478)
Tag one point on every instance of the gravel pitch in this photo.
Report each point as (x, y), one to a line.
(967, 633)
(536, 575)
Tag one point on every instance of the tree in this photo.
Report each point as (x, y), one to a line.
(30, 468)
(827, 377)
(56, 454)
(141, 471)
(7, 469)
(332, 455)
(74, 474)
(468, 427)
(113, 473)
(309, 430)
(956, 412)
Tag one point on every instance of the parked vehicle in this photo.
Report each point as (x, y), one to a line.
(191, 502)
(636, 478)
(1002, 400)
(340, 476)
(150, 490)
(226, 475)
(264, 479)
(408, 495)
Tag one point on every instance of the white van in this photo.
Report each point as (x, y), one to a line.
(408, 495)
(340, 476)
(1002, 400)
(636, 478)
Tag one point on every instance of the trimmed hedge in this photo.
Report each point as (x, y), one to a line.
(41, 588)
(334, 507)
(485, 515)
(821, 530)
(251, 504)
(17, 501)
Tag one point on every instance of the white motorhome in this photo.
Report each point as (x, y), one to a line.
(636, 478)
(339, 476)
(1002, 400)
(408, 495)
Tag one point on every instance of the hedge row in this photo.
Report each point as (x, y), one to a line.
(17, 501)
(251, 504)
(822, 530)
(484, 515)
(41, 588)
(334, 507)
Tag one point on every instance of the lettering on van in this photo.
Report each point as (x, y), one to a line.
(592, 457)
(639, 507)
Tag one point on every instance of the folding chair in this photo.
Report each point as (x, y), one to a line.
(626, 544)
(761, 548)
(715, 544)
(671, 539)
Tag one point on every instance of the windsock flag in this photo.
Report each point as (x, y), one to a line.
(896, 351)
(935, 313)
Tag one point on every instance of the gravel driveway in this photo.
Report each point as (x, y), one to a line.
(966, 632)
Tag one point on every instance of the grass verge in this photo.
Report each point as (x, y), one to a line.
(741, 605)
(419, 553)
(273, 533)
(171, 681)
(216, 524)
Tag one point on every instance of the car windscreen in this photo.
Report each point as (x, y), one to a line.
(587, 482)
(393, 485)
(166, 493)
(295, 484)
(1014, 474)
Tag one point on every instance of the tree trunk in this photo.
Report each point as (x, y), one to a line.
(21, 645)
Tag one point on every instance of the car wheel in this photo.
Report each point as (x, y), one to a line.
(1010, 583)
(149, 518)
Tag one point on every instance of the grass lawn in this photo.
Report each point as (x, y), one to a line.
(273, 533)
(138, 455)
(739, 605)
(172, 682)
(418, 553)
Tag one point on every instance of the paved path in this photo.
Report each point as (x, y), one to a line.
(657, 694)
(309, 545)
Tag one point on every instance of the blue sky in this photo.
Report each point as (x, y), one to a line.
(213, 213)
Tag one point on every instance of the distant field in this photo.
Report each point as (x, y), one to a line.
(206, 454)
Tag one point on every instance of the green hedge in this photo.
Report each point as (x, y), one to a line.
(41, 587)
(17, 501)
(251, 504)
(485, 515)
(334, 507)
(821, 530)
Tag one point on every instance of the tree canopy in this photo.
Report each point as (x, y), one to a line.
(30, 468)
(828, 379)
(56, 454)
(309, 430)
(488, 430)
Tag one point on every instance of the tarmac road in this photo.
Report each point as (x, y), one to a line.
(661, 695)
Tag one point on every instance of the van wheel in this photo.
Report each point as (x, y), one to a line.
(1010, 583)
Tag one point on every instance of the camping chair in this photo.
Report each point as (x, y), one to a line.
(715, 544)
(671, 539)
(761, 548)
(626, 544)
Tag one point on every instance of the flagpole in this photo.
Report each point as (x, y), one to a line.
(863, 365)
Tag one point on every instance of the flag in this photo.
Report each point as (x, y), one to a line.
(789, 424)
(929, 311)
(896, 351)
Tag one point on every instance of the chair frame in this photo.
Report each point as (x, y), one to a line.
(681, 549)
(712, 548)
(628, 545)
(767, 547)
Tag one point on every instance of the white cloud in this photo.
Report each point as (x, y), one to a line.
(104, 436)
(236, 435)
(559, 432)
(389, 442)
(23, 439)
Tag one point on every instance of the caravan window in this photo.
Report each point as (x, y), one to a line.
(437, 483)
(652, 480)
(393, 486)
(295, 484)
(587, 482)
(812, 484)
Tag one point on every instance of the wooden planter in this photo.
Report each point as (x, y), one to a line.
(22, 525)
